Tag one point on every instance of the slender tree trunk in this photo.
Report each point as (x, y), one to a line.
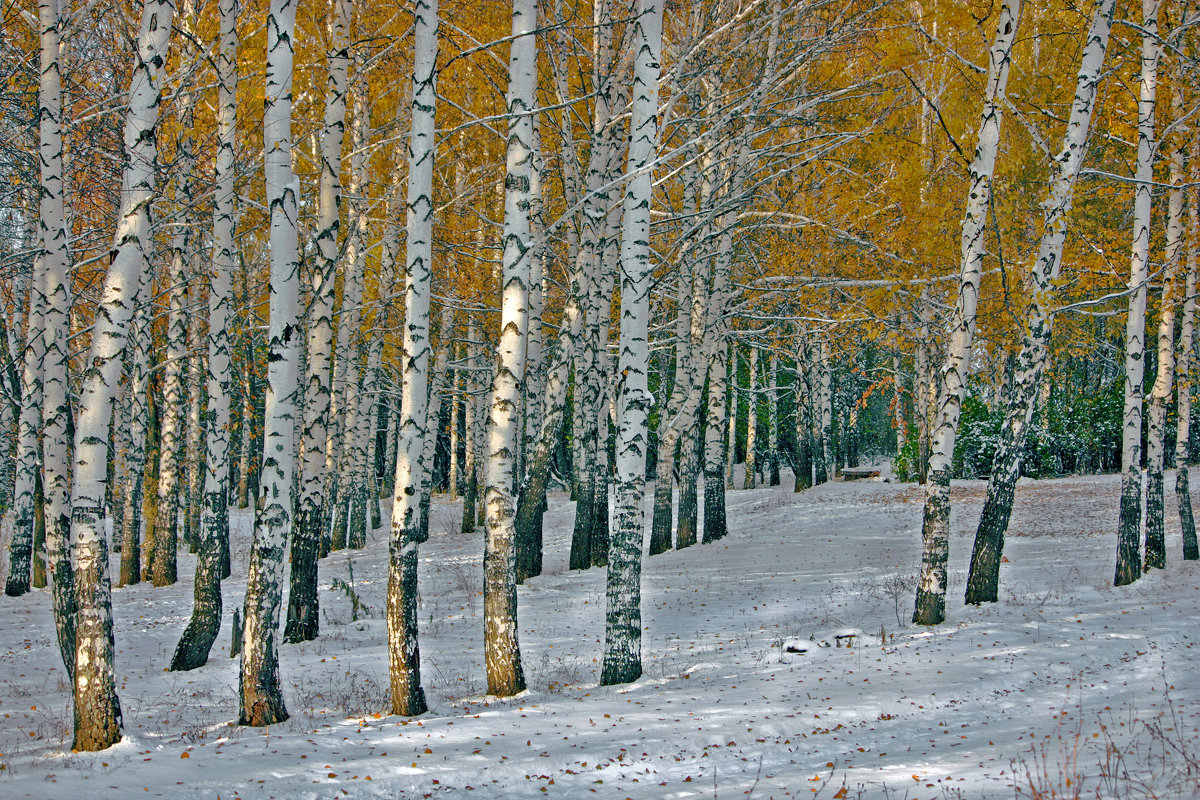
(1160, 394)
(930, 605)
(404, 655)
(470, 412)
(261, 695)
(303, 615)
(21, 549)
(201, 631)
(714, 441)
(804, 464)
(623, 616)
(502, 654)
(984, 577)
(532, 498)
(163, 566)
(1129, 567)
(773, 423)
(923, 384)
(1187, 374)
(749, 480)
(731, 448)
(135, 457)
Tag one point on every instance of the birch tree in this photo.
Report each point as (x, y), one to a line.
(1160, 393)
(163, 547)
(260, 692)
(1187, 372)
(930, 606)
(303, 617)
(201, 631)
(502, 654)
(21, 548)
(623, 627)
(1129, 562)
(97, 710)
(54, 284)
(404, 655)
(983, 580)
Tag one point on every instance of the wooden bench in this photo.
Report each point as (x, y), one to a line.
(858, 473)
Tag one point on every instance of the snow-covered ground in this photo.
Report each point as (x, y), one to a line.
(779, 662)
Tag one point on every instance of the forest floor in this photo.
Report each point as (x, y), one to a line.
(1065, 679)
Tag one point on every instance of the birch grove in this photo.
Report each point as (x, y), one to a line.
(700, 245)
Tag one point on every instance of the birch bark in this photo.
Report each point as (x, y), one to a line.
(404, 655)
(97, 710)
(261, 695)
(623, 628)
(303, 614)
(20, 552)
(1129, 524)
(201, 631)
(54, 284)
(1160, 393)
(1187, 374)
(930, 605)
(983, 579)
(502, 653)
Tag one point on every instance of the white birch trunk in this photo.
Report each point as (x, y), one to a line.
(97, 711)
(303, 617)
(164, 545)
(1129, 525)
(54, 284)
(502, 654)
(213, 534)
(731, 448)
(773, 422)
(930, 606)
(261, 695)
(1186, 368)
(623, 627)
(404, 657)
(983, 579)
(749, 480)
(20, 552)
(350, 520)
(1160, 393)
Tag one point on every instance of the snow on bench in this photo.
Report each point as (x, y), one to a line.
(858, 473)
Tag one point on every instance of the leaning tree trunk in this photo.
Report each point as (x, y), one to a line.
(303, 614)
(404, 654)
(97, 710)
(984, 577)
(502, 654)
(1160, 394)
(623, 614)
(930, 605)
(261, 695)
(1187, 375)
(201, 631)
(1129, 566)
